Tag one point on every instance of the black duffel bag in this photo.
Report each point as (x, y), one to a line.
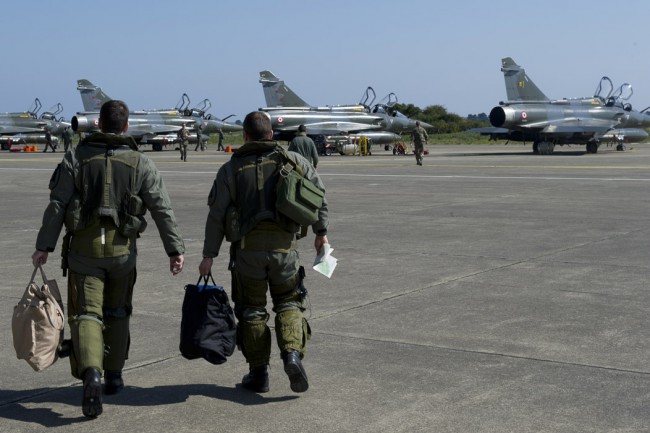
(208, 326)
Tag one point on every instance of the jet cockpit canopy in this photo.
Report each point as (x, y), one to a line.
(34, 108)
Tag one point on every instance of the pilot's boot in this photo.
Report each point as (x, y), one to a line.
(113, 382)
(91, 404)
(296, 372)
(257, 380)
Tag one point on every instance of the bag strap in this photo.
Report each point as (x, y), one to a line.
(53, 287)
(289, 164)
(205, 280)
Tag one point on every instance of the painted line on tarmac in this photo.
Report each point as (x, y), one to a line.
(401, 176)
(425, 176)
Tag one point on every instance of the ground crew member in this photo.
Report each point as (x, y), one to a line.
(264, 258)
(183, 135)
(48, 141)
(67, 138)
(304, 146)
(220, 145)
(101, 191)
(420, 138)
(199, 143)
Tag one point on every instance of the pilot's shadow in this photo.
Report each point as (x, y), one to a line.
(129, 396)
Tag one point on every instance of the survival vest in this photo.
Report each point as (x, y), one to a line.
(255, 173)
(105, 215)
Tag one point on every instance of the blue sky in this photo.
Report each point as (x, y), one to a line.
(427, 52)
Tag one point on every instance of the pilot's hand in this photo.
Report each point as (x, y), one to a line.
(176, 264)
(319, 242)
(39, 258)
(205, 268)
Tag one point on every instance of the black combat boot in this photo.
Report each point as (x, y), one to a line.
(113, 382)
(257, 380)
(91, 404)
(294, 369)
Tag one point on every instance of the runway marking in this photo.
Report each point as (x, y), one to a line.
(425, 176)
(400, 176)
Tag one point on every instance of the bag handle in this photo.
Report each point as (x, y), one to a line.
(53, 288)
(205, 280)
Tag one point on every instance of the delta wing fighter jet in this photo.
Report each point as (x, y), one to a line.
(29, 127)
(529, 115)
(155, 127)
(381, 123)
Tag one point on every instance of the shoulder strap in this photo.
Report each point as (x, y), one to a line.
(289, 164)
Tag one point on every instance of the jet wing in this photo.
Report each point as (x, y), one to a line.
(489, 130)
(152, 129)
(333, 128)
(11, 130)
(571, 126)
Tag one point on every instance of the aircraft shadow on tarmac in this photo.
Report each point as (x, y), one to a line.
(130, 396)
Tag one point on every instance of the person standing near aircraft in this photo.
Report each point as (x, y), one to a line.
(199, 142)
(101, 192)
(420, 137)
(263, 252)
(67, 138)
(220, 146)
(48, 141)
(184, 136)
(304, 146)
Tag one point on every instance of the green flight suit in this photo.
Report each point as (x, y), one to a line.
(420, 136)
(265, 258)
(305, 146)
(101, 191)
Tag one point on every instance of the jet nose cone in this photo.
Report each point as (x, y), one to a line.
(425, 125)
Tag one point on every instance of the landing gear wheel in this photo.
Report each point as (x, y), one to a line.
(620, 147)
(592, 147)
(536, 148)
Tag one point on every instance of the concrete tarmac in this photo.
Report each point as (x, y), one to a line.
(490, 290)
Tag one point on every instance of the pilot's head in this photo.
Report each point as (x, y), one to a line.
(257, 126)
(302, 128)
(114, 117)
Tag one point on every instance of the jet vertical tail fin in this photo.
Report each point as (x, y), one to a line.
(277, 94)
(519, 87)
(92, 96)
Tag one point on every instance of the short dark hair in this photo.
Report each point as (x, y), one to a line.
(257, 125)
(114, 116)
(302, 128)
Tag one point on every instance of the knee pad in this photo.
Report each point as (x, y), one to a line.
(254, 338)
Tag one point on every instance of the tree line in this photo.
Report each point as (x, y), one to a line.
(442, 121)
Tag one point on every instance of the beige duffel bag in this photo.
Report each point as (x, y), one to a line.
(37, 323)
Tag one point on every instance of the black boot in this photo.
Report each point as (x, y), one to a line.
(257, 380)
(91, 404)
(294, 369)
(113, 382)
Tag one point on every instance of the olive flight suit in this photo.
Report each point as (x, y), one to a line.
(420, 136)
(263, 249)
(305, 146)
(101, 192)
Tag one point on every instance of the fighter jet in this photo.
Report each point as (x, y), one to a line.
(529, 115)
(380, 123)
(156, 127)
(28, 127)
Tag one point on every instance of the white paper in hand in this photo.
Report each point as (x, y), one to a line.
(325, 263)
